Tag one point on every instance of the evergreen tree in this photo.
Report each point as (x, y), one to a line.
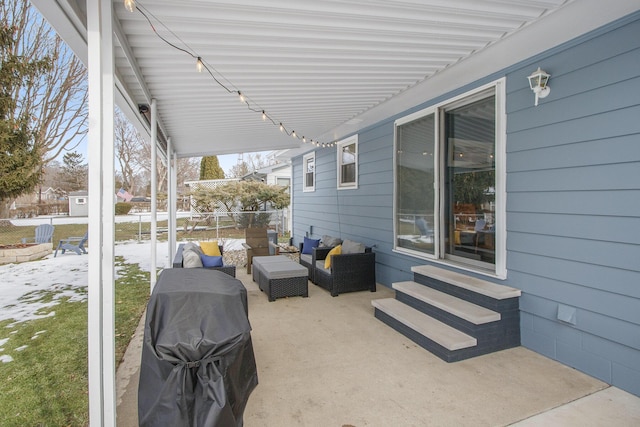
(74, 172)
(20, 156)
(210, 168)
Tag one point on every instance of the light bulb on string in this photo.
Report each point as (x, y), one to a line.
(130, 5)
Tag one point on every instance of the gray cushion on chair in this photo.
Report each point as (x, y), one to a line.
(306, 258)
(351, 247)
(191, 258)
(329, 242)
(190, 246)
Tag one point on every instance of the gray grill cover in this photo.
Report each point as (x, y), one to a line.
(198, 366)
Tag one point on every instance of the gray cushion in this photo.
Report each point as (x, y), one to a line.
(306, 258)
(193, 247)
(320, 266)
(351, 247)
(283, 270)
(329, 242)
(191, 259)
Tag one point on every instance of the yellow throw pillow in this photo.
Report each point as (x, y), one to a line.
(335, 251)
(210, 248)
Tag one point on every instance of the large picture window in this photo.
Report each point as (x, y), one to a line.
(309, 172)
(449, 183)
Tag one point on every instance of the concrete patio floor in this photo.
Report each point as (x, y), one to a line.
(326, 361)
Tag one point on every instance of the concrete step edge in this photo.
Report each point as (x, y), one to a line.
(483, 287)
(458, 307)
(448, 337)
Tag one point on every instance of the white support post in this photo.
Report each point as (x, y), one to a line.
(172, 164)
(101, 288)
(154, 191)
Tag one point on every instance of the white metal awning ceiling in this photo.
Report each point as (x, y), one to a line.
(324, 68)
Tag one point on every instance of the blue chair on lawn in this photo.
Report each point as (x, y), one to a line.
(75, 244)
(44, 234)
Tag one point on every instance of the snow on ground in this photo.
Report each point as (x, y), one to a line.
(23, 285)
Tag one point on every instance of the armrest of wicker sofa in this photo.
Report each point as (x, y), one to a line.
(348, 273)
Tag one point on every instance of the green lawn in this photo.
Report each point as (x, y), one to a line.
(46, 384)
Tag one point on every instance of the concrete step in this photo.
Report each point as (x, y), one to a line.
(483, 287)
(438, 332)
(463, 309)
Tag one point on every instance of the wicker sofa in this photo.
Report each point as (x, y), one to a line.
(347, 273)
(178, 262)
(308, 257)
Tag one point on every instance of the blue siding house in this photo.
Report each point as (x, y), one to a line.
(544, 199)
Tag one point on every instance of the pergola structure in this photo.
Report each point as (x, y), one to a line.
(282, 74)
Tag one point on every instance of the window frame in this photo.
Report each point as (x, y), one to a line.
(305, 159)
(341, 185)
(499, 270)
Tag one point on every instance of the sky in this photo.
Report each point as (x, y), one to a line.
(227, 161)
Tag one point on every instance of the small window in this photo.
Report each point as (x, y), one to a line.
(81, 201)
(309, 172)
(283, 182)
(347, 157)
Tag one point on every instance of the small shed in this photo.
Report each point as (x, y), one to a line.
(79, 203)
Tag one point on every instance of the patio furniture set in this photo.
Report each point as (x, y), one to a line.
(331, 263)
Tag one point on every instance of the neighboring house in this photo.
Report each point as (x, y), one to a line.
(542, 198)
(79, 203)
(45, 195)
(277, 174)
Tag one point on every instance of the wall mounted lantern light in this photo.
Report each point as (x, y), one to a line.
(538, 82)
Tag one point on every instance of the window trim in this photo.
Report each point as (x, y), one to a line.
(305, 159)
(500, 266)
(340, 145)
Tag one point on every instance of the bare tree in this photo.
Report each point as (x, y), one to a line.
(188, 169)
(133, 153)
(56, 101)
(252, 163)
(128, 144)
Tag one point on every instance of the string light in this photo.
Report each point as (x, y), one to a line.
(131, 6)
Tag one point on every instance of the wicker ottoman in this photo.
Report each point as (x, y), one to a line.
(280, 279)
(259, 261)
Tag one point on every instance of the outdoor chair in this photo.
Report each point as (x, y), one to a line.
(75, 244)
(308, 251)
(257, 243)
(347, 273)
(179, 259)
(44, 234)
